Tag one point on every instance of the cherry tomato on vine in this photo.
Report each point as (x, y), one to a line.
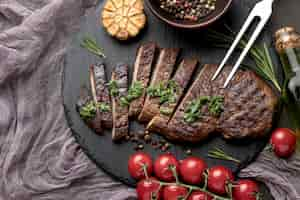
(163, 165)
(191, 170)
(174, 192)
(245, 190)
(148, 189)
(283, 141)
(136, 163)
(218, 179)
(199, 195)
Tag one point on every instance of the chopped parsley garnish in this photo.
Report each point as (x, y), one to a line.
(113, 88)
(193, 110)
(134, 92)
(89, 110)
(165, 91)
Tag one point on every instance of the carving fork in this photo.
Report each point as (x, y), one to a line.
(262, 10)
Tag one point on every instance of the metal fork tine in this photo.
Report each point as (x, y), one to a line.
(235, 43)
(251, 41)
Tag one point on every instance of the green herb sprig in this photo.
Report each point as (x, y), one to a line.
(193, 110)
(113, 88)
(165, 91)
(135, 91)
(218, 153)
(88, 111)
(215, 105)
(259, 53)
(90, 44)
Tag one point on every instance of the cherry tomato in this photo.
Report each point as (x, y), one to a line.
(162, 167)
(136, 163)
(174, 192)
(218, 178)
(283, 141)
(199, 195)
(245, 190)
(147, 189)
(191, 170)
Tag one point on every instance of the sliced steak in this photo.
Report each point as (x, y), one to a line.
(249, 107)
(162, 73)
(97, 121)
(102, 93)
(120, 112)
(142, 73)
(178, 129)
(182, 78)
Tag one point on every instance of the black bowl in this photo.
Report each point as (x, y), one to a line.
(221, 7)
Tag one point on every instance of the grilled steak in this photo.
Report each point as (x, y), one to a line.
(120, 112)
(249, 105)
(84, 99)
(162, 73)
(102, 93)
(142, 72)
(182, 77)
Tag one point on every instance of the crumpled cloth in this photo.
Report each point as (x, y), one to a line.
(282, 176)
(39, 158)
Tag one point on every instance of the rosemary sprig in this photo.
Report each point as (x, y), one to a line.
(259, 53)
(218, 153)
(90, 44)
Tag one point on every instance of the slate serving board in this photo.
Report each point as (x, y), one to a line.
(113, 157)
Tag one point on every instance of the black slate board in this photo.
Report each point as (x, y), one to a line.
(113, 157)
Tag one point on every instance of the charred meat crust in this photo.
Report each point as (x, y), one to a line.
(142, 73)
(249, 106)
(162, 72)
(120, 113)
(182, 78)
(102, 93)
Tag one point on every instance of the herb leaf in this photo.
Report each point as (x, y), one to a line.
(215, 105)
(90, 44)
(165, 91)
(88, 111)
(113, 88)
(135, 91)
(193, 110)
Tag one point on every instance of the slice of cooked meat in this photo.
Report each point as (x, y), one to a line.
(162, 73)
(84, 99)
(178, 129)
(249, 106)
(142, 73)
(102, 93)
(182, 78)
(97, 123)
(120, 112)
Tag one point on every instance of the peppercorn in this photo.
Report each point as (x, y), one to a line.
(191, 10)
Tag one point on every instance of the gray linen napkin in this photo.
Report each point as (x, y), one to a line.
(39, 158)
